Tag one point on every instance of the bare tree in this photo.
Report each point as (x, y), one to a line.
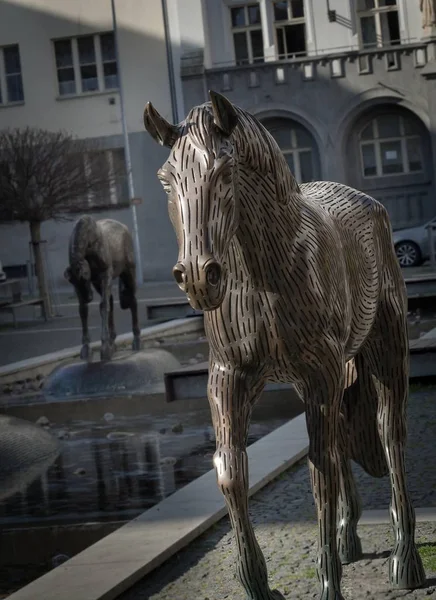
(50, 175)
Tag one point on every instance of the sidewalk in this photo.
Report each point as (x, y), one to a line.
(35, 337)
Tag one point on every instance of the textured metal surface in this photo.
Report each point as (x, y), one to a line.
(295, 282)
(99, 252)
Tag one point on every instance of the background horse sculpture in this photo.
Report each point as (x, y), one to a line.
(100, 251)
(296, 282)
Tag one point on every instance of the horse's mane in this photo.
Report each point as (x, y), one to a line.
(84, 232)
(256, 147)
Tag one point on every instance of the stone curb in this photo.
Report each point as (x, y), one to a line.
(42, 365)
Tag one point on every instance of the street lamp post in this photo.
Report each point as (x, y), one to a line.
(139, 274)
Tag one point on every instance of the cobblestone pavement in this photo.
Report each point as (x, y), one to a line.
(283, 517)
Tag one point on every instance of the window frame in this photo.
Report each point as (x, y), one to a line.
(112, 199)
(295, 150)
(376, 12)
(4, 93)
(247, 29)
(76, 65)
(282, 24)
(377, 142)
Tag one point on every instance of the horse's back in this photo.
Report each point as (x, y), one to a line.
(118, 243)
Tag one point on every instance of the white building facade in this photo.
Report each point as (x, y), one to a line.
(347, 87)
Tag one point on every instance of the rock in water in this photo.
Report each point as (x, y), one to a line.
(26, 451)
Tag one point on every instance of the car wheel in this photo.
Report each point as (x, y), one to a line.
(408, 254)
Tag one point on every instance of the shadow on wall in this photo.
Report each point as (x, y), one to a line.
(143, 61)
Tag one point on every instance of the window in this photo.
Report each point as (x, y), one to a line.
(115, 190)
(290, 29)
(390, 146)
(379, 23)
(86, 64)
(11, 81)
(297, 146)
(247, 34)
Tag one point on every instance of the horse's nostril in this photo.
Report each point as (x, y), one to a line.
(213, 274)
(179, 275)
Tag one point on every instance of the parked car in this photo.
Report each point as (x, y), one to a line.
(412, 245)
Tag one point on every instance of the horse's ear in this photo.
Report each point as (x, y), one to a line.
(224, 113)
(160, 130)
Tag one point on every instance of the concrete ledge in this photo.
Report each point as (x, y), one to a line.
(44, 364)
(116, 562)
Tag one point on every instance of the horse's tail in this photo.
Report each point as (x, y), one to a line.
(359, 419)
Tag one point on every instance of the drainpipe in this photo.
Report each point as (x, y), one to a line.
(170, 63)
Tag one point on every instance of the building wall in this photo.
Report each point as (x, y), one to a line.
(144, 69)
(328, 92)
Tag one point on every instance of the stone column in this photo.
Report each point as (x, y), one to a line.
(267, 16)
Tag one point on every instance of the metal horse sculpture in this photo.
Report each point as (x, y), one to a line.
(299, 284)
(100, 251)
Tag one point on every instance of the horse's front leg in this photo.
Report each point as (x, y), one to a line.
(323, 395)
(106, 344)
(232, 394)
(85, 353)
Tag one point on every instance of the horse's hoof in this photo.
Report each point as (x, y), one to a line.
(136, 344)
(85, 352)
(406, 571)
(106, 351)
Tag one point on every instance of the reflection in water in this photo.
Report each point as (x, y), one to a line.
(114, 469)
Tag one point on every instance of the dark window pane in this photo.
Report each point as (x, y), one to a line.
(388, 126)
(369, 34)
(89, 78)
(241, 48)
(281, 42)
(107, 42)
(392, 160)
(366, 4)
(306, 166)
(295, 39)
(297, 8)
(290, 160)
(369, 160)
(304, 139)
(64, 56)
(67, 84)
(414, 154)
(387, 2)
(12, 59)
(283, 137)
(15, 88)
(390, 27)
(110, 72)
(86, 49)
(238, 16)
(254, 14)
(257, 45)
(281, 11)
(410, 127)
(368, 132)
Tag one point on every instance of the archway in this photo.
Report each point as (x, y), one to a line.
(389, 157)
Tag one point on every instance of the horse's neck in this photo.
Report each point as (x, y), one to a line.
(266, 229)
(84, 236)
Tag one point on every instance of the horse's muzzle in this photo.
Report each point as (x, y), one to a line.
(201, 281)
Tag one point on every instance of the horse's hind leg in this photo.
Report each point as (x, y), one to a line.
(85, 353)
(127, 294)
(112, 332)
(359, 440)
(387, 354)
(232, 394)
